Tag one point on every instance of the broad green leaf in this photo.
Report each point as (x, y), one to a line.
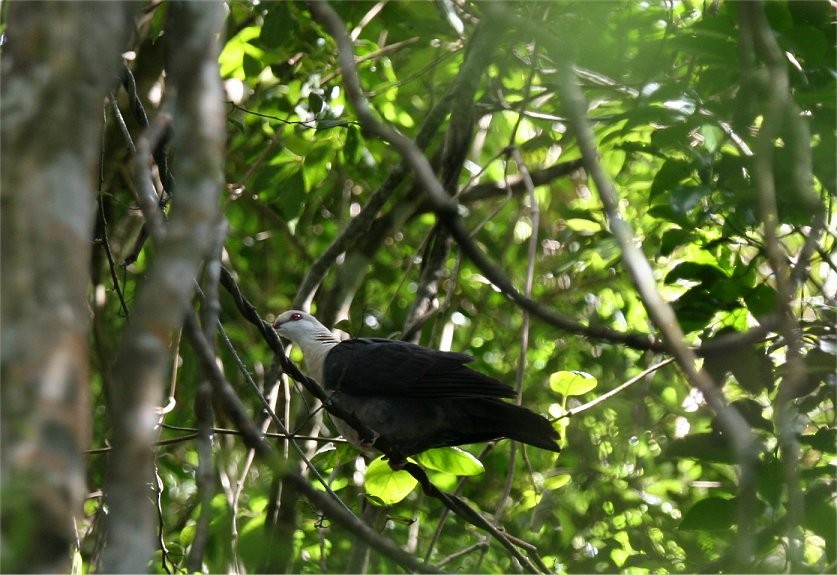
(672, 239)
(569, 383)
(820, 511)
(352, 147)
(584, 227)
(701, 446)
(386, 486)
(684, 198)
(557, 481)
(279, 25)
(332, 123)
(710, 514)
(315, 103)
(451, 460)
(187, 534)
(713, 137)
(672, 173)
(691, 271)
(761, 300)
(77, 567)
(291, 194)
(695, 308)
(231, 57)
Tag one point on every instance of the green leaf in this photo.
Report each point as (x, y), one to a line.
(352, 148)
(669, 176)
(673, 239)
(386, 486)
(770, 481)
(331, 123)
(451, 460)
(684, 198)
(280, 26)
(315, 103)
(752, 411)
(761, 300)
(583, 227)
(824, 439)
(820, 512)
(710, 514)
(695, 308)
(753, 370)
(713, 137)
(252, 65)
(569, 383)
(557, 481)
(692, 271)
(292, 194)
(187, 534)
(701, 446)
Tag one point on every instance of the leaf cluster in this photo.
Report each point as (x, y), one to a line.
(648, 480)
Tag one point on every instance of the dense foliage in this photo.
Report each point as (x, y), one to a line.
(680, 97)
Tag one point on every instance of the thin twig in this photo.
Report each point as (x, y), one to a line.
(618, 389)
(524, 328)
(462, 552)
(204, 413)
(105, 239)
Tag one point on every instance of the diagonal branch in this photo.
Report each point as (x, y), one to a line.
(779, 110)
(661, 313)
(450, 501)
(445, 206)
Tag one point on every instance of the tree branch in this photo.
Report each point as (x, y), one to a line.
(141, 363)
(444, 205)
(734, 425)
(779, 109)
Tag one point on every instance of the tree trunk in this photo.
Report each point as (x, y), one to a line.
(54, 80)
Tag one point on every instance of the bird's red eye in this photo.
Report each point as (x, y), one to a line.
(296, 316)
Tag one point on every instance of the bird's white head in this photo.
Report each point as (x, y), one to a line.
(309, 334)
(302, 328)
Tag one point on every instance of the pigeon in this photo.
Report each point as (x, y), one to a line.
(415, 397)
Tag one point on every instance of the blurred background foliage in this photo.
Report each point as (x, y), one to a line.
(646, 482)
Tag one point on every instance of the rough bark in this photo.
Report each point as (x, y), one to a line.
(54, 80)
(195, 102)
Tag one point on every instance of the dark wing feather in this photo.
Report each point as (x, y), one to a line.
(385, 367)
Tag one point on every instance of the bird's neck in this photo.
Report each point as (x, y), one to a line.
(315, 347)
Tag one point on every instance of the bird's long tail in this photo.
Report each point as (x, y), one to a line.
(520, 424)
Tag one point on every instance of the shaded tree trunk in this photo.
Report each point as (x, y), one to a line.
(54, 80)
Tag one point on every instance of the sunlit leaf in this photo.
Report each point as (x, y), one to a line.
(582, 226)
(451, 460)
(385, 485)
(557, 481)
(569, 383)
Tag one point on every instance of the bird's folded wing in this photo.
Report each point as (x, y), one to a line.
(383, 367)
